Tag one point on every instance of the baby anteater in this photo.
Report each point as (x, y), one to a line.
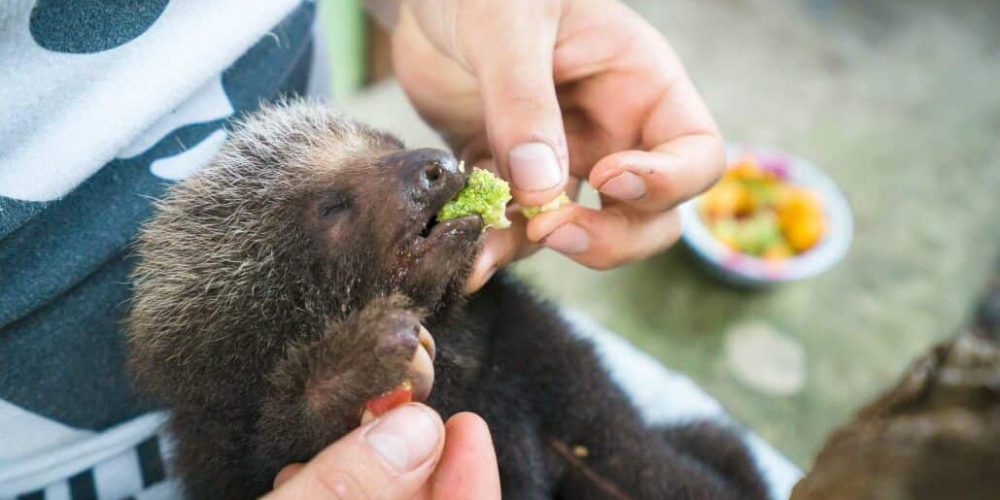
(286, 284)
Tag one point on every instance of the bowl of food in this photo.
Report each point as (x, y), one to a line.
(771, 218)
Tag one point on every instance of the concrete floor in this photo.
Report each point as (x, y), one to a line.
(900, 103)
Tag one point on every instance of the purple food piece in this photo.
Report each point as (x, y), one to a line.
(775, 163)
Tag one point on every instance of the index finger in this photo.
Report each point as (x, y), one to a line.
(684, 151)
(661, 179)
(468, 467)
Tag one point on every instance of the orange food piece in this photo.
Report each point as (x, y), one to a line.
(804, 232)
(391, 399)
(793, 203)
(725, 199)
(801, 217)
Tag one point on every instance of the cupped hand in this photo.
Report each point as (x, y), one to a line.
(405, 454)
(548, 92)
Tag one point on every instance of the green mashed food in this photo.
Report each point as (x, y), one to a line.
(485, 195)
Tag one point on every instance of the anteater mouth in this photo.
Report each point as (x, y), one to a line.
(467, 228)
(435, 231)
(431, 224)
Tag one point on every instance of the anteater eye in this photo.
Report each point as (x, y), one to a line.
(332, 205)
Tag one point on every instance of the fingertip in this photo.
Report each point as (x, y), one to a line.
(468, 431)
(467, 421)
(468, 467)
(483, 269)
(407, 438)
(497, 250)
(429, 412)
(660, 179)
(640, 163)
(625, 186)
(536, 172)
(543, 224)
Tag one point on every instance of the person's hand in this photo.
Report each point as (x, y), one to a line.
(405, 454)
(555, 91)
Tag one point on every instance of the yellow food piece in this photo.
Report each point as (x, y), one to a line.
(804, 232)
(559, 202)
(777, 251)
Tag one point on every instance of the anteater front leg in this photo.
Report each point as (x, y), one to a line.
(317, 393)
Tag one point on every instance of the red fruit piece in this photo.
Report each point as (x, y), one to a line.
(389, 400)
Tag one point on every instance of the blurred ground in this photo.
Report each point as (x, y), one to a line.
(900, 103)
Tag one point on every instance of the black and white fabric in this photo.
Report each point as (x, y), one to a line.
(126, 461)
(666, 397)
(104, 104)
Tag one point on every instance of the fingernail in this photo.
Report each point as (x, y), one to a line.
(568, 239)
(404, 438)
(534, 167)
(624, 186)
(367, 416)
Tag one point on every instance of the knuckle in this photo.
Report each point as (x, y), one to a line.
(525, 94)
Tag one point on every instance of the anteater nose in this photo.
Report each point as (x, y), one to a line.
(433, 174)
(435, 170)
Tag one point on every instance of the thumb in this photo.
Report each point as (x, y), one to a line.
(523, 119)
(390, 458)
